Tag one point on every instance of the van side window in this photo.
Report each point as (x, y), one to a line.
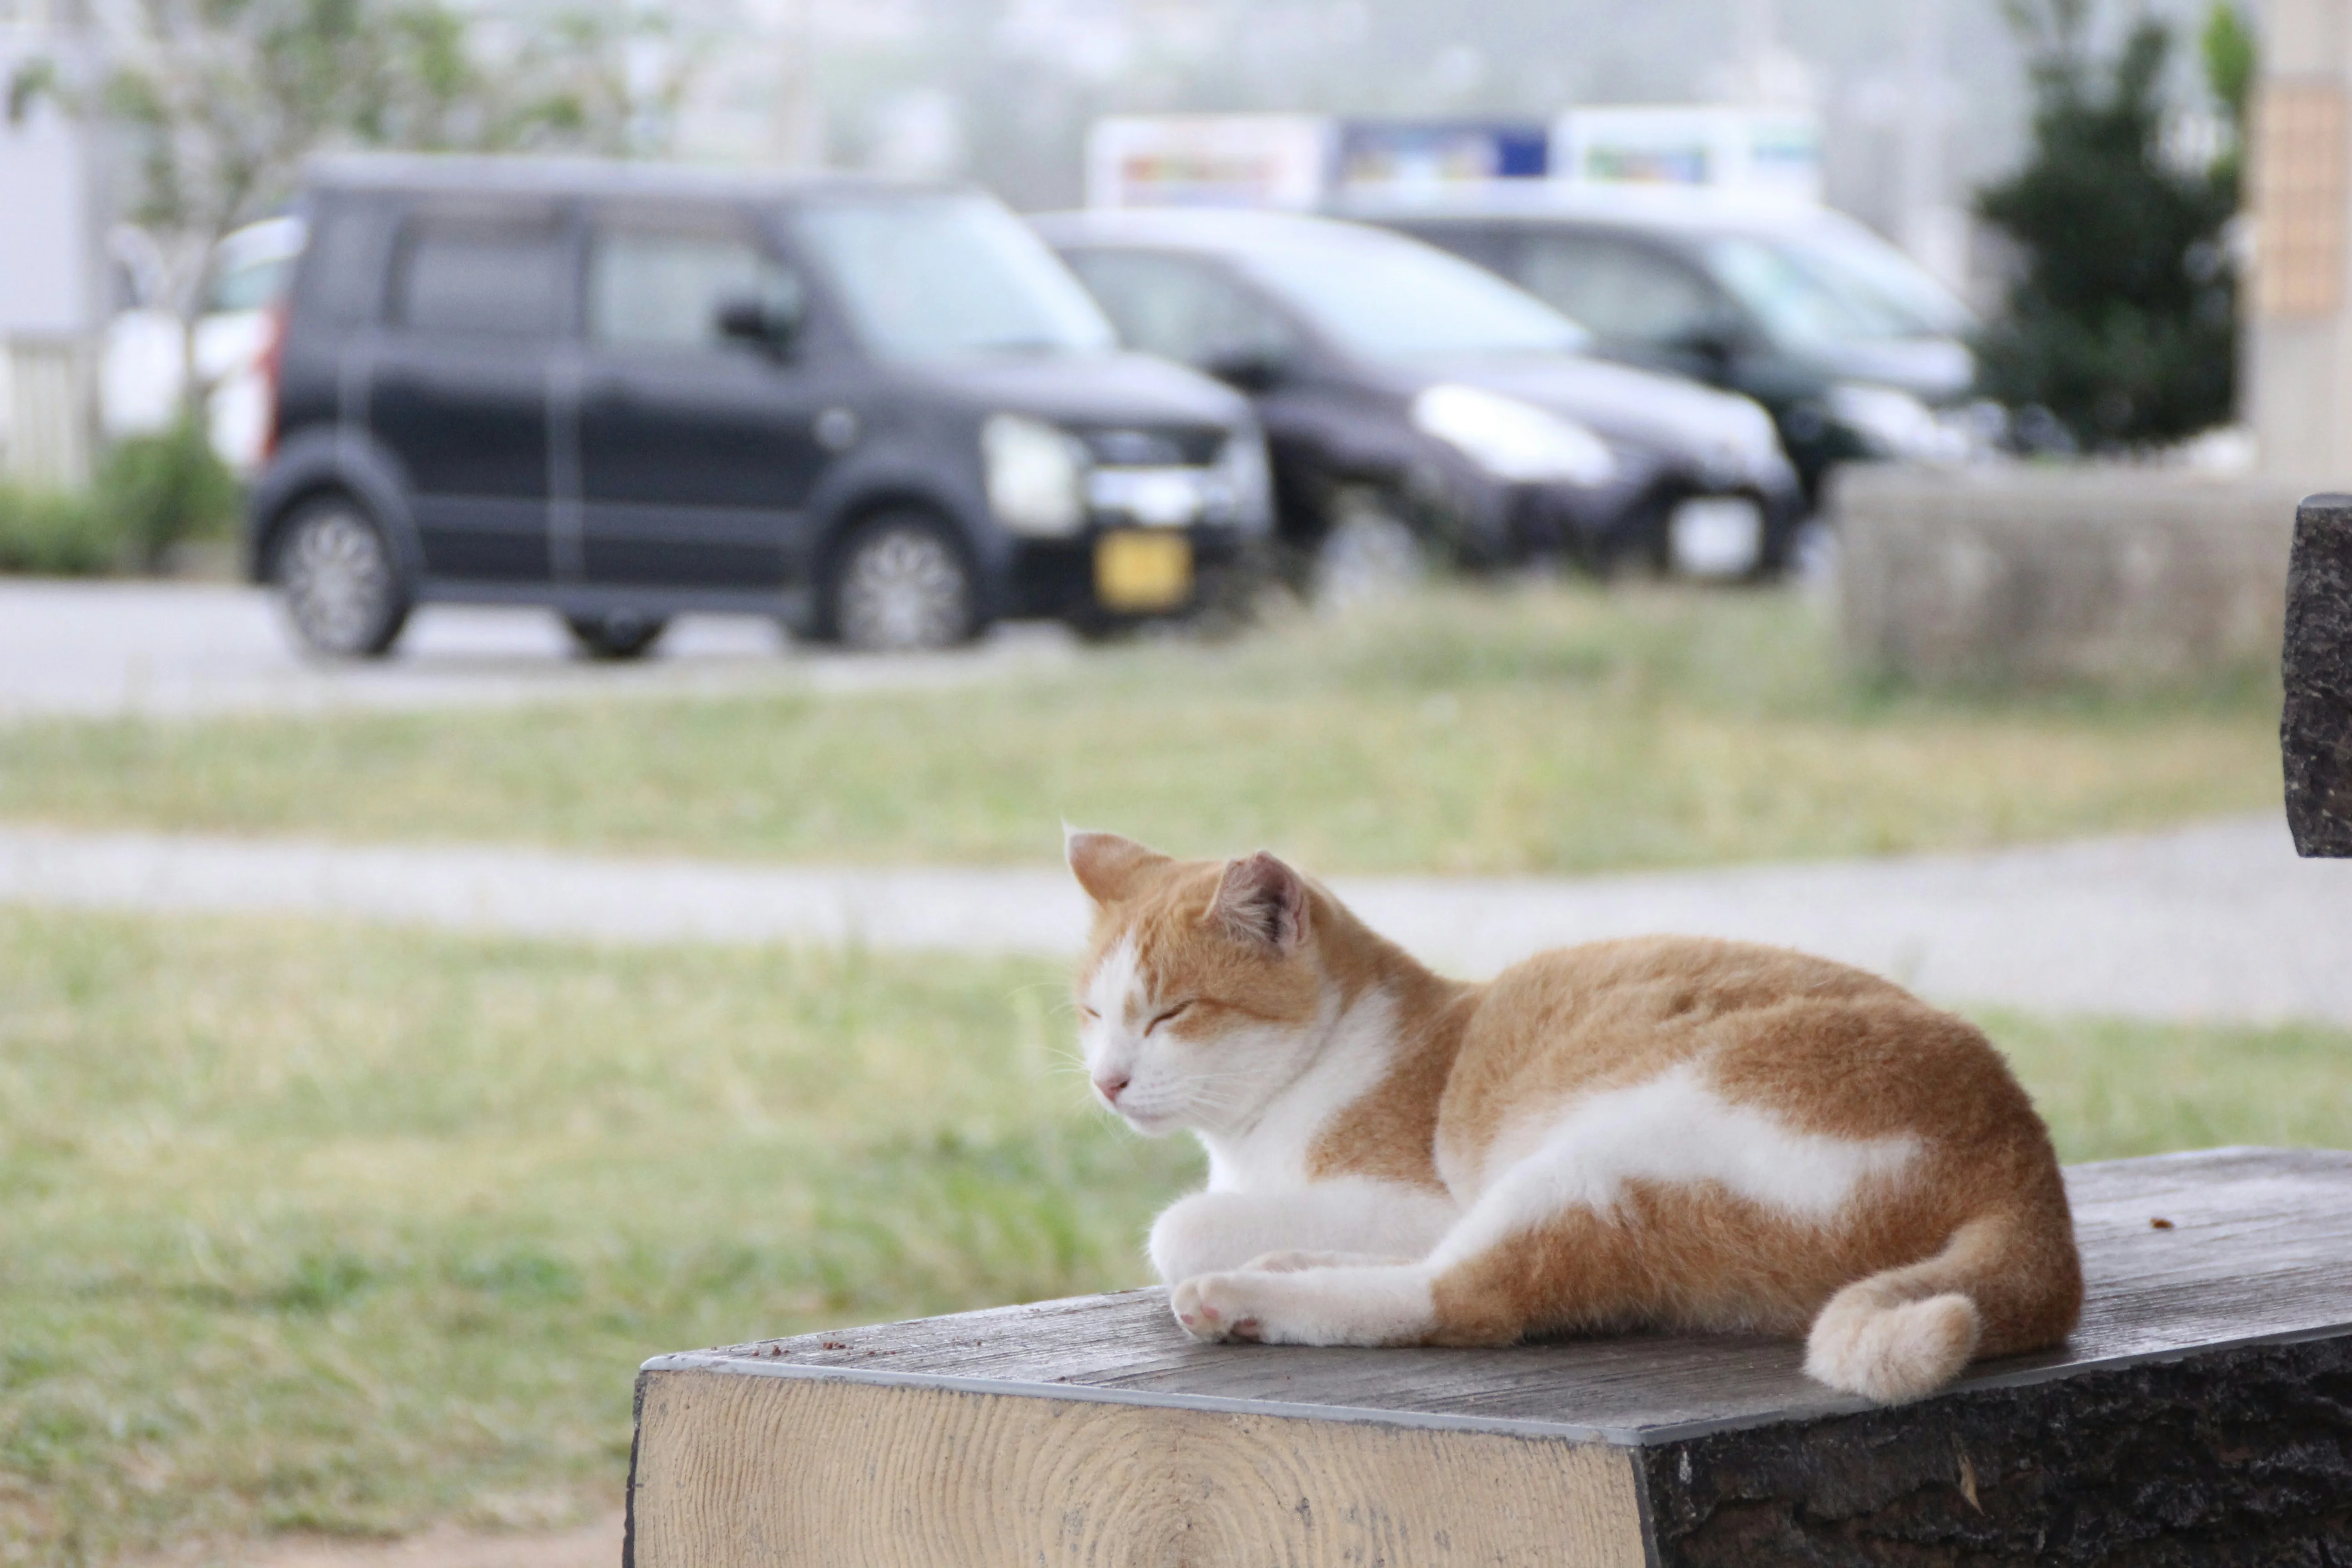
(1626, 293)
(481, 278)
(1180, 309)
(664, 288)
(341, 273)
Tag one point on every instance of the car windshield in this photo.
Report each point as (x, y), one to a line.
(933, 276)
(1388, 299)
(1797, 304)
(251, 287)
(1805, 299)
(1871, 267)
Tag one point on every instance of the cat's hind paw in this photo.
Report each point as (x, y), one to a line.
(1215, 1308)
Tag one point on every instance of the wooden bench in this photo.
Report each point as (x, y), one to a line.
(2201, 1414)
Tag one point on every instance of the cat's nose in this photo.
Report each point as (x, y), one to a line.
(1112, 1085)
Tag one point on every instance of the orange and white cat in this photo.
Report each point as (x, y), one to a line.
(1667, 1132)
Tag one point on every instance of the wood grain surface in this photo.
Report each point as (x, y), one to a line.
(737, 1471)
(2259, 1247)
(2196, 1416)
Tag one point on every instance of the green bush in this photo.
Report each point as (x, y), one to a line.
(157, 490)
(56, 533)
(152, 492)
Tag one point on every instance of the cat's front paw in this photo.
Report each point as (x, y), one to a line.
(1215, 1307)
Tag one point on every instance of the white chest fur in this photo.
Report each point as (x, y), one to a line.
(1359, 1046)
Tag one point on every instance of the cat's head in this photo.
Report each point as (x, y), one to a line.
(1204, 990)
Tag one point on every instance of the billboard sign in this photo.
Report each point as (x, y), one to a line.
(1209, 159)
(1295, 162)
(1411, 154)
(1761, 151)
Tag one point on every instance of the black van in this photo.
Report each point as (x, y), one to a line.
(882, 413)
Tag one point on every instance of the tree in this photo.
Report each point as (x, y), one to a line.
(220, 100)
(2123, 319)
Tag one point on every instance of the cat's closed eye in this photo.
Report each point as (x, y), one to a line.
(1088, 1014)
(1176, 1012)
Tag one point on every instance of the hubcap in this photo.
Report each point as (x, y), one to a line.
(1368, 556)
(336, 582)
(904, 589)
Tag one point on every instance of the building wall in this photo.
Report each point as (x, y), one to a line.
(50, 275)
(2299, 330)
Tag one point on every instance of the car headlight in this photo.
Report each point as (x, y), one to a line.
(1758, 441)
(1511, 439)
(1036, 475)
(1891, 422)
(1744, 449)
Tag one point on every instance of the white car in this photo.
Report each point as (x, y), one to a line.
(144, 375)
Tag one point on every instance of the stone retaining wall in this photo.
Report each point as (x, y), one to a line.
(2028, 573)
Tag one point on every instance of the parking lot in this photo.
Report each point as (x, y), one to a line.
(191, 649)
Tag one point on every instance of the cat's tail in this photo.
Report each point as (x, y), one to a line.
(1998, 1287)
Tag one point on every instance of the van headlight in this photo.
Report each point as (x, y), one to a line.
(1035, 474)
(1511, 439)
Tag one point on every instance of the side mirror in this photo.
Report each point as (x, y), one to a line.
(1714, 342)
(1246, 370)
(768, 324)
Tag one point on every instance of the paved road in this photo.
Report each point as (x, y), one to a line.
(2218, 921)
(179, 648)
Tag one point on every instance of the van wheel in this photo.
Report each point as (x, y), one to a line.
(615, 634)
(1368, 554)
(338, 581)
(900, 584)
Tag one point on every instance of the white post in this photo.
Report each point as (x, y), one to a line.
(1928, 225)
(796, 117)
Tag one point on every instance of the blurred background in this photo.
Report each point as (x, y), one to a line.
(141, 135)
(410, 1023)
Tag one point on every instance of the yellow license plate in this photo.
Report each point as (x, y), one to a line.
(1136, 571)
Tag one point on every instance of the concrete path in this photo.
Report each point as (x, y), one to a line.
(185, 648)
(2218, 921)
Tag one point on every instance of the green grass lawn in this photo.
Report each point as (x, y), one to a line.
(326, 1227)
(1555, 729)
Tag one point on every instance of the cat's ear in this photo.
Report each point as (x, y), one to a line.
(1107, 866)
(1261, 900)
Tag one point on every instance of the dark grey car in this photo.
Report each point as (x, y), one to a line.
(1850, 344)
(882, 413)
(1396, 381)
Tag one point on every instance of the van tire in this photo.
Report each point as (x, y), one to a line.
(338, 580)
(616, 635)
(901, 582)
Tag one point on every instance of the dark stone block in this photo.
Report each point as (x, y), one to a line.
(2316, 727)
(2238, 1458)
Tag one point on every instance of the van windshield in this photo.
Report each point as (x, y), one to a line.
(1388, 299)
(933, 276)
